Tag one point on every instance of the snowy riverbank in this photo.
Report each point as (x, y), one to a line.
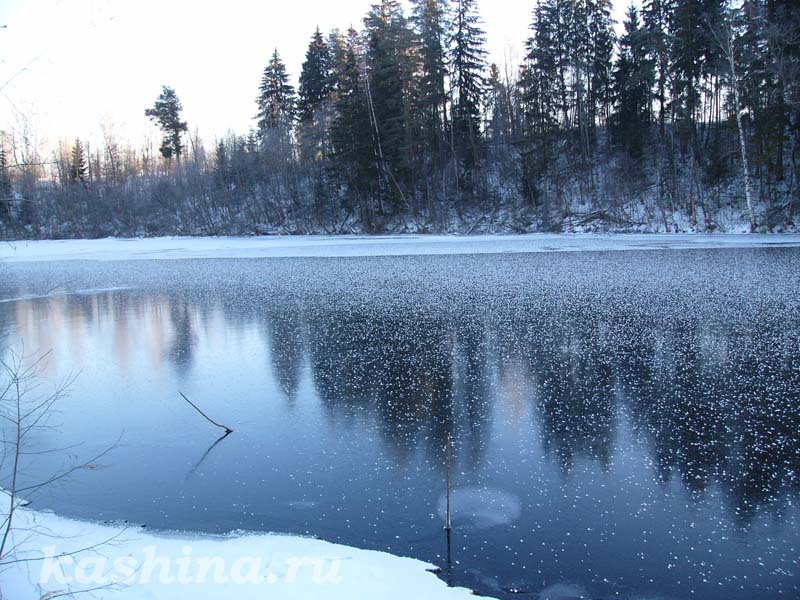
(343, 246)
(56, 556)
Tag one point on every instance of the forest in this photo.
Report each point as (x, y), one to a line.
(686, 117)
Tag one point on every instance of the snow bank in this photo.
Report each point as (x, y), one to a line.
(132, 564)
(343, 246)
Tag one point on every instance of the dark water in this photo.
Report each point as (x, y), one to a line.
(624, 425)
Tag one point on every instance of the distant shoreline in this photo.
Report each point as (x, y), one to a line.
(321, 246)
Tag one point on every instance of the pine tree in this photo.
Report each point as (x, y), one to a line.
(634, 77)
(276, 105)
(77, 163)
(166, 113)
(468, 64)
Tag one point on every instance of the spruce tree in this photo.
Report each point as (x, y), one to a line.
(222, 164)
(429, 19)
(778, 25)
(315, 78)
(602, 38)
(77, 163)
(352, 134)
(468, 65)
(391, 66)
(696, 56)
(547, 98)
(5, 188)
(276, 105)
(634, 77)
(166, 113)
(337, 48)
(658, 16)
(316, 87)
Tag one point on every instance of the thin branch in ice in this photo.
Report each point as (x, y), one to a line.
(227, 429)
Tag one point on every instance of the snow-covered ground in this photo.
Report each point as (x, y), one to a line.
(132, 564)
(340, 246)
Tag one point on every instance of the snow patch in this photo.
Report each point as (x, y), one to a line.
(84, 556)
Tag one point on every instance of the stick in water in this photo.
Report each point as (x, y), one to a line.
(209, 419)
(449, 463)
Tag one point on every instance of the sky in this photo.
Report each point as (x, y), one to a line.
(81, 67)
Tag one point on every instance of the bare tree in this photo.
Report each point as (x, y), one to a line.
(726, 40)
(26, 407)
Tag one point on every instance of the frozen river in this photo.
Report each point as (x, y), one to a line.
(625, 411)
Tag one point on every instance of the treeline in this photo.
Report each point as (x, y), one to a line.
(689, 120)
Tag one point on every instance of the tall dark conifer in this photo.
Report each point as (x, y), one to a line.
(545, 101)
(696, 56)
(314, 98)
(430, 21)
(657, 17)
(391, 70)
(315, 78)
(468, 67)
(77, 163)
(166, 113)
(354, 158)
(5, 188)
(602, 38)
(276, 104)
(634, 77)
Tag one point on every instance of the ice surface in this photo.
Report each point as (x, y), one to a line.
(341, 246)
(481, 508)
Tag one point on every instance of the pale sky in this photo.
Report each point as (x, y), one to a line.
(70, 66)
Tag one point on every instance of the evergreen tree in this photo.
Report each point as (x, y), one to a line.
(77, 163)
(601, 38)
(337, 49)
(550, 58)
(222, 164)
(429, 19)
(352, 134)
(695, 57)
(545, 101)
(316, 87)
(391, 64)
(276, 105)
(658, 16)
(468, 64)
(498, 118)
(777, 23)
(634, 77)
(166, 113)
(5, 188)
(315, 78)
